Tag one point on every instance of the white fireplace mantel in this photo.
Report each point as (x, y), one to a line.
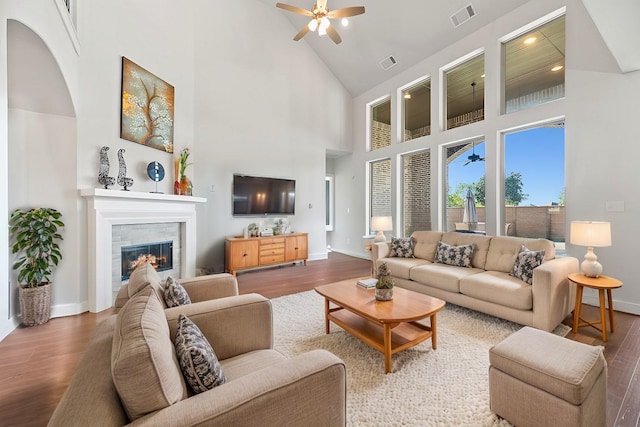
(106, 208)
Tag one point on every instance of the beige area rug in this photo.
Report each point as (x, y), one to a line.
(444, 387)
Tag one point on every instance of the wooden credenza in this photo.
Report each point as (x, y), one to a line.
(254, 252)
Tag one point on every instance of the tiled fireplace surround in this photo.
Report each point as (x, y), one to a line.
(138, 216)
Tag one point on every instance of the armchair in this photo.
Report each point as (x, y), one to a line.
(263, 386)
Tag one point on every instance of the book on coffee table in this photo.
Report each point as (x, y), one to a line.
(368, 283)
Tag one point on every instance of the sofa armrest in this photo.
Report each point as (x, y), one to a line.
(212, 286)
(232, 325)
(306, 390)
(380, 250)
(553, 294)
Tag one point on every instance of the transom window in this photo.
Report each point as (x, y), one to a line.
(380, 124)
(465, 93)
(416, 110)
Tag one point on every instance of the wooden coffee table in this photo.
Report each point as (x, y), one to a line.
(387, 326)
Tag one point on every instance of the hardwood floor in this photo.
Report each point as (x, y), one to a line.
(36, 364)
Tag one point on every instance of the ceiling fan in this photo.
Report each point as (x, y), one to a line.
(474, 157)
(320, 15)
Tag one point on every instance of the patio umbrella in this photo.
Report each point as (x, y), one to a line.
(470, 215)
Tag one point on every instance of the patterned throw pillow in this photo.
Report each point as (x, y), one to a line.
(198, 361)
(526, 261)
(454, 255)
(175, 294)
(402, 248)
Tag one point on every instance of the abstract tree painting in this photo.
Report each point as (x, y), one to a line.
(147, 108)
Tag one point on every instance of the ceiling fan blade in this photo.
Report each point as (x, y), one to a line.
(333, 34)
(346, 12)
(467, 163)
(303, 31)
(294, 9)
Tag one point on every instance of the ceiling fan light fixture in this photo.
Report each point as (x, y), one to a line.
(324, 23)
(313, 25)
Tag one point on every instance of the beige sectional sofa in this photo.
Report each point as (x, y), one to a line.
(130, 375)
(487, 286)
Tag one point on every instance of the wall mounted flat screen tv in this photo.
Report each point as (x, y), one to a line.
(254, 195)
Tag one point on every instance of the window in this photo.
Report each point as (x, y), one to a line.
(465, 93)
(464, 171)
(416, 110)
(534, 183)
(534, 66)
(380, 124)
(416, 192)
(380, 187)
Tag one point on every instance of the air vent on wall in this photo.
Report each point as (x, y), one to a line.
(463, 15)
(388, 62)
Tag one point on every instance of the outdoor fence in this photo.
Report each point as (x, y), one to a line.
(546, 222)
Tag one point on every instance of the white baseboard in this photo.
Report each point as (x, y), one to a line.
(353, 254)
(623, 306)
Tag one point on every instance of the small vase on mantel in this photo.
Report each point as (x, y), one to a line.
(185, 186)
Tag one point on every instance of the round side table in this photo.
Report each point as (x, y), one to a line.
(602, 283)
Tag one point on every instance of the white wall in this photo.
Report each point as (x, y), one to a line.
(248, 99)
(600, 136)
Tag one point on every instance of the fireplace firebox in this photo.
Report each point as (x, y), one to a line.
(159, 254)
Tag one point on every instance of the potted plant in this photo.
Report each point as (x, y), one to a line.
(384, 287)
(36, 243)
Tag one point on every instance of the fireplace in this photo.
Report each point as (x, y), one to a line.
(160, 255)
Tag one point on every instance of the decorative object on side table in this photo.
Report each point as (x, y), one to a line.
(36, 242)
(182, 184)
(155, 170)
(384, 287)
(103, 173)
(123, 180)
(590, 234)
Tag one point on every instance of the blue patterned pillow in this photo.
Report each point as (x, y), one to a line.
(199, 363)
(526, 261)
(175, 294)
(402, 248)
(454, 255)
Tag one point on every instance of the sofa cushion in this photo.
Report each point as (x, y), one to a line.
(424, 244)
(143, 275)
(174, 293)
(526, 261)
(503, 250)
(402, 247)
(480, 250)
(198, 361)
(459, 256)
(401, 267)
(144, 365)
(441, 276)
(498, 288)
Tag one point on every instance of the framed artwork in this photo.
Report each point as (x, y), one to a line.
(146, 108)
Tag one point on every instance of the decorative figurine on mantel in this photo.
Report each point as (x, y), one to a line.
(384, 287)
(123, 180)
(103, 173)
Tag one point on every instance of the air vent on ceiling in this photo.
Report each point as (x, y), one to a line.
(463, 15)
(388, 62)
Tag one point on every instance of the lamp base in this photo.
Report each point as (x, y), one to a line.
(380, 237)
(590, 266)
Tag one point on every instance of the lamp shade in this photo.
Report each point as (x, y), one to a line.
(590, 233)
(381, 223)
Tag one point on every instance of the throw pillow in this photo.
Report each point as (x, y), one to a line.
(144, 366)
(454, 255)
(402, 248)
(175, 294)
(526, 261)
(198, 361)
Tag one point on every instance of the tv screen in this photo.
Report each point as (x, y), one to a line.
(254, 195)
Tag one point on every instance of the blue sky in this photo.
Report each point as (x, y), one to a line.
(538, 154)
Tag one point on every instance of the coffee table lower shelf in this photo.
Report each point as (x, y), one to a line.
(401, 335)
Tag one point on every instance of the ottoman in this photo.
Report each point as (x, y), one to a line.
(537, 379)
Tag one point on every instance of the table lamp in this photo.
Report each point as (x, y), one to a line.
(590, 234)
(381, 224)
